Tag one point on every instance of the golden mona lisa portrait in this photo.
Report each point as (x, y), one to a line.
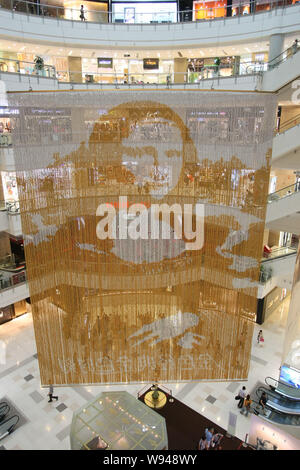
(146, 309)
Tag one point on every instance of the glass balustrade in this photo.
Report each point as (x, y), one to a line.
(284, 192)
(123, 13)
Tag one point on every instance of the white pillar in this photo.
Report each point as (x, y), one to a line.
(291, 348)
(276, 46)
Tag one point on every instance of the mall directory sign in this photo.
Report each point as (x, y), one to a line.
(143, 216)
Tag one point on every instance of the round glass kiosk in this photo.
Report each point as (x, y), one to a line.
(117, 421)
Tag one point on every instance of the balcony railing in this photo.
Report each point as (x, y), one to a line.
(27, 68)
(113, 77)
(284, 192)
(279, 252)
(11, 280)
(294, 121)
(132, 16)
(210, 72)
(12, 207)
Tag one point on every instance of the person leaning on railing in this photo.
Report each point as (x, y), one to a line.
(295, 46)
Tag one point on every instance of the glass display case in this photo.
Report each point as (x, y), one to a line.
(117, 421)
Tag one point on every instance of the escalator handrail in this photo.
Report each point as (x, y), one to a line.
(267, 405)
(278, 382)
(273, 393)
(6, 408)
(270, 407)
(10, 429)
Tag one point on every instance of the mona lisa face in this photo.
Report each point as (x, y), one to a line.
(153, 152)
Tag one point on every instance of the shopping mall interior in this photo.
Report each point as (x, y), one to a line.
(141, 342)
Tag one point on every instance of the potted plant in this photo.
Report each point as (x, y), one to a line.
(39, 64)
(155, 393)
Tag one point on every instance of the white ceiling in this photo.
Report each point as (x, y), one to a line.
(237, 49)
(215, 51)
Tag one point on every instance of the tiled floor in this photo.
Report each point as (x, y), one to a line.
(48, 424)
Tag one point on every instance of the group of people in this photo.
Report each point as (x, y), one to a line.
(210, 440)
(244, 402)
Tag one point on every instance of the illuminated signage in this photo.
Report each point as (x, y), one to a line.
(104, 62)
(151, 64)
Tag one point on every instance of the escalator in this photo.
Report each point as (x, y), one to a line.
(283, 389)
(7, 427)
(4, 410)
(278, 409)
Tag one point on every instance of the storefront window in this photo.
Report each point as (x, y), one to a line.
(209, 9)
(152, 12)
(9, 184)
(210, 67)
(93, 11)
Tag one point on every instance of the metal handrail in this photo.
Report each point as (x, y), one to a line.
(73, 14)
(278, 382)
(284, 192)
(140, 78)
(289, 124)
(280, 252)
(8, 282)
(130, 78)
(36, 71)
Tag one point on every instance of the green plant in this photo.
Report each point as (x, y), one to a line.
(265, 273)
(155, 395)
(39, 63)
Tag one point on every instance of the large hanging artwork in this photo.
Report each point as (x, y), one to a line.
(143, 217)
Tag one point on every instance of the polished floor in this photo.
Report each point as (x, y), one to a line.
(47, 425)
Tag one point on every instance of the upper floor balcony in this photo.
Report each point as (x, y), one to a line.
(250, 21)
(245, 76)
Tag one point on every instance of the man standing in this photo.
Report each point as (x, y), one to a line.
(263, 402)
(241, 394)
(51, 394)
(209, 435)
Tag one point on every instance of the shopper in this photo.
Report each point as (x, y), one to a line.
(258, 336)
(246, 406)
(242, 393)
(82, 17)
(51, 390)
(262, 402)
(216, 439)
(209, 432)
(261, 340)
(202, 443)
(295, 46)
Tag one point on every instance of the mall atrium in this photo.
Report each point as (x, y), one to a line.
(149, 225)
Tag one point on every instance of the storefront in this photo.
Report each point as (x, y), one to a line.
(67, 9)
(14, 311)
(207, 10)
(9, 184)
(127, 70)
(267, 305)
(212, 66)
(7, 123)
(144, 12)
(93, 10)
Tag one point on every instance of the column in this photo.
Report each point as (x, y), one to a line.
(180, 70)
(276, 47)
(291, 349)
(75, 69)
